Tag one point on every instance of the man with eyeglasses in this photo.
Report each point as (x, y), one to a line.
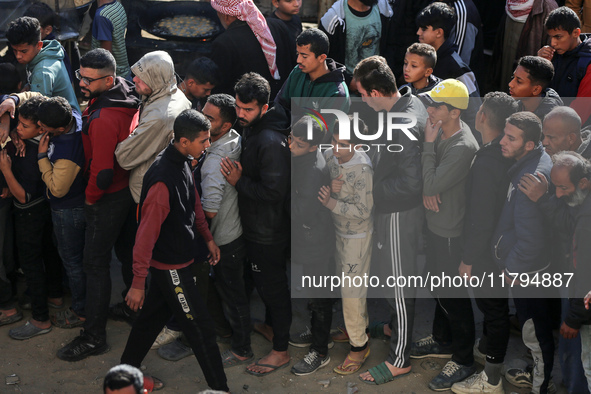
(111, 114)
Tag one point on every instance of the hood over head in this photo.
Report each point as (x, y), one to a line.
(156, 69)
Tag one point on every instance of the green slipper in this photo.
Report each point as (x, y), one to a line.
(381, 374)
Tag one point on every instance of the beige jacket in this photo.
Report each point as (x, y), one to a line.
(157, 114)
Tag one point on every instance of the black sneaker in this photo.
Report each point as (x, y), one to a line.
(304, 339)
(429, 347)
(451, 373)
(122, 312)
(81, 347)
(310, 363)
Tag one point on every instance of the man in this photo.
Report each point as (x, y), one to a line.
(108, 32)
(201, 78)
(562, 131)
(220, 203)
(155, 82)
(124, 378)
(354, 29)
(397, 187)
(262, 180)
(521, 239)
(250, 44)
(570, 53)
(486, 189)
(315, 75)
(448, 151)
(111, 113)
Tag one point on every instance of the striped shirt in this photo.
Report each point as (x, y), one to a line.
(110, 22)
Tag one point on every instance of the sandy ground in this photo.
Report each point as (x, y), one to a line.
(40, 371)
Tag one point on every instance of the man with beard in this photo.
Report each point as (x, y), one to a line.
(262, 180)
(111, 114)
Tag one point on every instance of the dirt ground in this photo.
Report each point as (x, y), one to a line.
(39, 370)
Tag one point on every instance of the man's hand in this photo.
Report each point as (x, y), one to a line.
(232, 171)
(432, 202)
(6, 194)
(547, 52)
(5, 162)
(18, 143)
(431, 130)
(44, 143)
(465, 270)
(214, 252)
(568, 332)
(533, 187)
(135, 299)
(337, 184)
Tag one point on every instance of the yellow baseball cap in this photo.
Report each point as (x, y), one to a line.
(448, 91)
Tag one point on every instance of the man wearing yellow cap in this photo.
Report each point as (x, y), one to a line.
(448, 151)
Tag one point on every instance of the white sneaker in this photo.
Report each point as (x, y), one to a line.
(165, 337)
(477, 383)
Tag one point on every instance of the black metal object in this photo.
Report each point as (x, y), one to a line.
(149, 18)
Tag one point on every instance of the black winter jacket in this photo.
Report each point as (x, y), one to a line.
(263, 189)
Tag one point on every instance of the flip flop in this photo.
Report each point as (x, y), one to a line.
(67, 319)
(341, 336)
(381, 374)
(152, 383)
(229, 359)
(376, 330)
(5, 319)
(273, 368)
(343, 369)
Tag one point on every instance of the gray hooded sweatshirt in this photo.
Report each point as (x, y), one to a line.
(157, 114)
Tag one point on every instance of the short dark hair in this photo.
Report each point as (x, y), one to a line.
(226, 105)
(498, 106)
(253, 86)
(122, 376)
(24, 30)
(44, 14)
(579, 166)
(426, 51)
(99, 59)
(361, 126)
(438, 15)
(9, 78)
(189, 124)
(540, 70)
(30, 108)
(300, 130)
(204, 70)
(373, 73)
(317, 40)
(529, 124)
(562, 18)
(55, 112)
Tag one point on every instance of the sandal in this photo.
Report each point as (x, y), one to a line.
(5, 319)
(152, 383)
(376, 330)
(343, 369)
(381, 374)
(67, 319)
(341, 336)
(229, 359)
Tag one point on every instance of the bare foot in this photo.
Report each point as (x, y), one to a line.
(387, 330)
(394, 370)
(274, 358)
(239, 357)
(8, 312)
(40, 324)
(264, 329)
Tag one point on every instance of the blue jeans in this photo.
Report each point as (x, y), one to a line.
(69, 226)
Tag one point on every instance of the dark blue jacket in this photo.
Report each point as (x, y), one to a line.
(521, 239)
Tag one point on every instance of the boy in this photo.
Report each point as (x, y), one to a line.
(108, 32)
(202, 77)
(448, 151)
(287, 11)
(419, 61)
(47, 71)
(61, 159)
(436, 22)
(350, 200)
(312, 234)
(530, 85)
(170, 214)
(37, 254)
(570, 53)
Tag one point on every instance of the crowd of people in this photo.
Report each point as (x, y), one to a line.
(211, 187)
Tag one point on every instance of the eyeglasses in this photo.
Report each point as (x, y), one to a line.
(86, 80)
